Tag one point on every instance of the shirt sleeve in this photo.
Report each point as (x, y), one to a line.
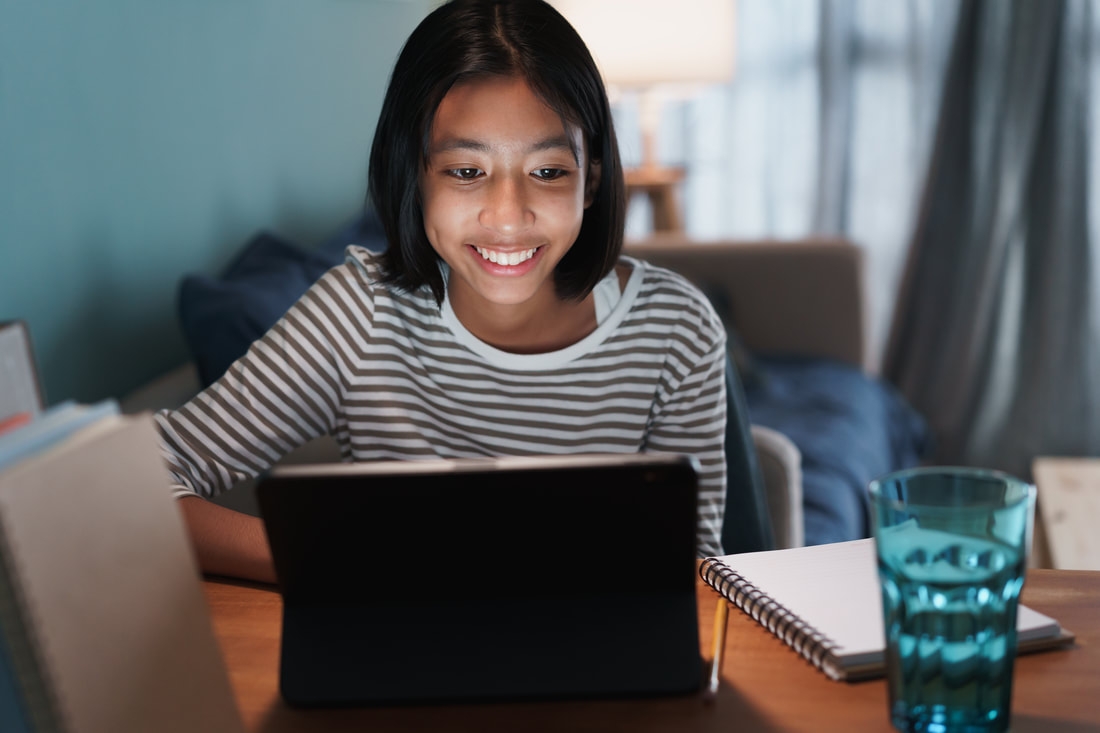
(691, 419)
(282, 393)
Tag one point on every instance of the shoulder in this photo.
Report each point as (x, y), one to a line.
(662, 282)
(354, 292)
(362, 273)
(362, 264)
(668, 296)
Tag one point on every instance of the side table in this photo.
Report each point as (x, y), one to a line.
(1067, 511)
(658, 183)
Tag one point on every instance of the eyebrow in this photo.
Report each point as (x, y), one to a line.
(557, 142)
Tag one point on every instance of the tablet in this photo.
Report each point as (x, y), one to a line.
(485, 579)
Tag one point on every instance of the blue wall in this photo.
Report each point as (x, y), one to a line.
(143, 140)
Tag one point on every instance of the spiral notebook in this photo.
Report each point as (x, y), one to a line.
(824, 602)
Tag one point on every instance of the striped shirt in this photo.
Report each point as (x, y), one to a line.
(393, 376)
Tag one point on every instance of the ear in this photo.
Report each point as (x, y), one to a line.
(592, 182)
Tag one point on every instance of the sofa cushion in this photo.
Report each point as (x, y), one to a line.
(850, 427)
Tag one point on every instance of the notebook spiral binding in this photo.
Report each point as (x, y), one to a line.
(776, 618)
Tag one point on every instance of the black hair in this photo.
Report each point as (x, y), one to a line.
(465, 40)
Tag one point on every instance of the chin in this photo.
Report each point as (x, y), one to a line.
(507, 298)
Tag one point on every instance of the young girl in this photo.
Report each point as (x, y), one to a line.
(501, 320)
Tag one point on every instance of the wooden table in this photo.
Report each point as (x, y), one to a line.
(765, 685)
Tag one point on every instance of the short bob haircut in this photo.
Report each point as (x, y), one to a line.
(465, 40)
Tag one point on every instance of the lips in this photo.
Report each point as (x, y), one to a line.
(506, 258)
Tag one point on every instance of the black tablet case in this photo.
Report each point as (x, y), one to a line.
(485, 580)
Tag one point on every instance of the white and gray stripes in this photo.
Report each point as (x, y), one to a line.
(391, 376)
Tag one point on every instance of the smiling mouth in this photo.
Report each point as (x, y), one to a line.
(511, 259)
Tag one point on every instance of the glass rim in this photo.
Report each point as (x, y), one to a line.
(876, 485)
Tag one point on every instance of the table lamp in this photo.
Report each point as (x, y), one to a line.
(657, 48)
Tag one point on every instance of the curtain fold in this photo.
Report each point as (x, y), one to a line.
(994, 335)
(825, 129)
(837, 61)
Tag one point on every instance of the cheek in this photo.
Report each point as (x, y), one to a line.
(442, 213)
(568, 210)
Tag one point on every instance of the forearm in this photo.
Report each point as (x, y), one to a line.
(227, 542)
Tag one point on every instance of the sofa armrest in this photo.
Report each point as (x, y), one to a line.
(781, 465)
(804, 297)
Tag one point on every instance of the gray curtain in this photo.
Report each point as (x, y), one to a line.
(825, 128)
(995, 334)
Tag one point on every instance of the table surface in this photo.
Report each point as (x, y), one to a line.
(765, 685)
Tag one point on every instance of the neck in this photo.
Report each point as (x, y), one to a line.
(541, 325)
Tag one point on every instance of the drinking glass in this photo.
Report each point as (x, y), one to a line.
(952, 547)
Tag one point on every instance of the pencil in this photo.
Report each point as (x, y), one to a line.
(721, 616)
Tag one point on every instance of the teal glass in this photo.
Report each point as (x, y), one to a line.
(952, 547)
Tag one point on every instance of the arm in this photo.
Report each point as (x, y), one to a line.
(688, 414)
(692, 420)
(281, 394)
(227, 542)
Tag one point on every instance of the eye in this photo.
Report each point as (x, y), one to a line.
(549, 174)
(464, 174)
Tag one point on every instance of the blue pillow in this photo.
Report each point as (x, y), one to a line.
(850, 428)
(221, 316)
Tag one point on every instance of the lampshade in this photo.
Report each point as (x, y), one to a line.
(641, 43)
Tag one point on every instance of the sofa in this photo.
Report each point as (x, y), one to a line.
(822, 425)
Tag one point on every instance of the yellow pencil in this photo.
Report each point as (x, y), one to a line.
(721, 616)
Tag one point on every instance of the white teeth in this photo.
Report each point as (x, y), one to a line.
(506, 258)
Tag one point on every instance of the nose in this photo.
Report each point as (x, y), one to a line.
(505, 209)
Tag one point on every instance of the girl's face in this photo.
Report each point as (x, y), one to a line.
(503, 195)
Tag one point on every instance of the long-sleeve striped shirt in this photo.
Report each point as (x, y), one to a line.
(391, 375)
